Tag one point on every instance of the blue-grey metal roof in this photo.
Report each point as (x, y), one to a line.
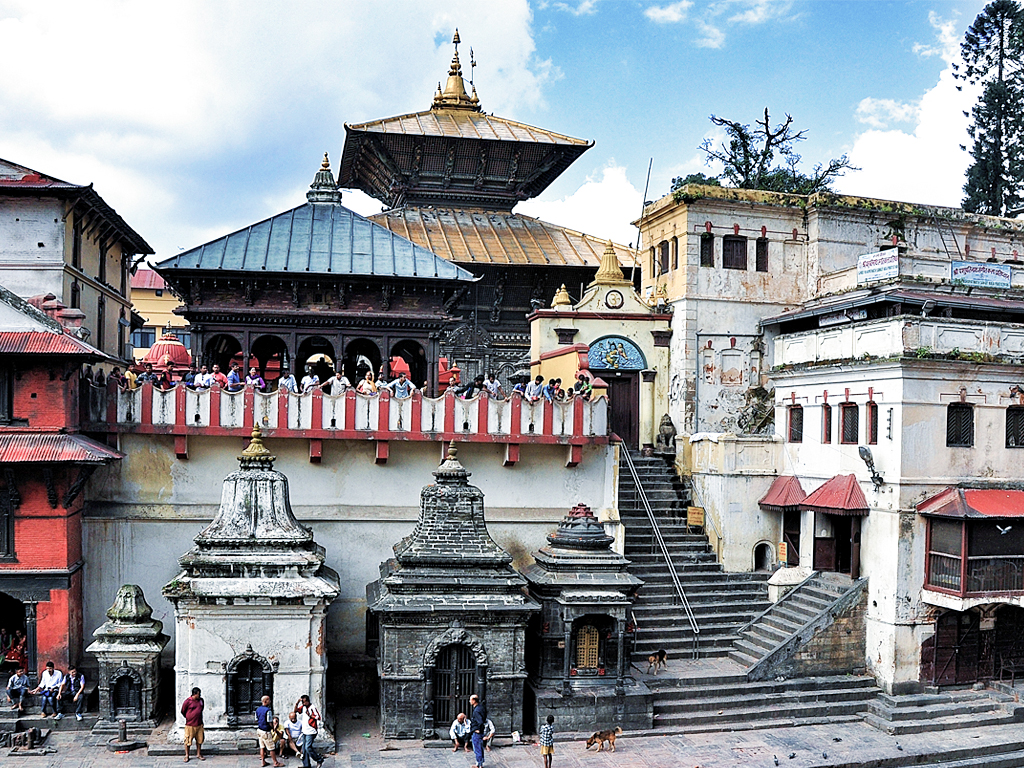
(317, 239)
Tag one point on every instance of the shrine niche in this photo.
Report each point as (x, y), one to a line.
(249, 678)
(616, 353)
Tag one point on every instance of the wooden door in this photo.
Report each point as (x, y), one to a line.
(623, 405)
(791, 535)
(957, 647)
(454, 683)
(825, 554)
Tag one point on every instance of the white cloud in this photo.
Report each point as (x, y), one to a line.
(759, 11)
(711, 36)
(601, 207)
(924, 165)
(582, 8)
(947, 42)
(669, 14)
(878, 113)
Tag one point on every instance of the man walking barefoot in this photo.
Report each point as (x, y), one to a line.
(192, 709)
(547, 740)
(265, 733)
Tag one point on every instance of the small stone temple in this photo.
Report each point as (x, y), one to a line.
(128, 647)
(579, 645)
(448, 617)
(251, 600)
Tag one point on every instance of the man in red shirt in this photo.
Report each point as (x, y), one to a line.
(219, 377)
(192, 709)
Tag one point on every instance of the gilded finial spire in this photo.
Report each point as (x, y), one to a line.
(610, 273)
(323, 189)
(454, 95)
(561, 298)
(256, 454)
(326, 164)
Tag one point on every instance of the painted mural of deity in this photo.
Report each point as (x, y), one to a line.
(616, 353)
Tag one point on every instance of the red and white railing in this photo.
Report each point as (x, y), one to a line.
(348, 416)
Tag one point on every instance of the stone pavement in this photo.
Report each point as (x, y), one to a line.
(360, 746)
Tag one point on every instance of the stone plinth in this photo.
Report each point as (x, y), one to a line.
(583, 637)
(250, 602)
(127, 647)
(448, 617)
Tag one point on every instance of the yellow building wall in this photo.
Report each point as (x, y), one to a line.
(158, 311)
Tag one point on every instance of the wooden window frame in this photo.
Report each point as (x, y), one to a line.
(77, 228)
(675, 252)
(844, 409)
(1015, 414)
(663, 257)
(826, 423)
(707, 250)
(795, 424)
(761, 254)
(871, 414)
(732, 247)
(958, 434)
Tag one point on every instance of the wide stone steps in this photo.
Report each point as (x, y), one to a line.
(727, 705)
(925, 713)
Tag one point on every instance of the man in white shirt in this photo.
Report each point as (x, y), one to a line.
(535, 389)
(287, 381)
(310, 718)
(50, 681)
(310, 381)
(293, 731)
(459, 732)
(493, 387)
(337, 384)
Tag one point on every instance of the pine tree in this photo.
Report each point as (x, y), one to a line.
(991, 54)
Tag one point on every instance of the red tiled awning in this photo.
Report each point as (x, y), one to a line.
(785, 494)
(53, 448)
(839, 496)
(974, 502)
(44, 343)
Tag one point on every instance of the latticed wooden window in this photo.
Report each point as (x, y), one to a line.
(872, 413)
(761, 254)
(663, 257)
(849, 414)
(826, 423)
(1015, 426)
(707, 250)
(587, 641)
(675, 253)
(734, 252)
(960, 425)
(796, 424)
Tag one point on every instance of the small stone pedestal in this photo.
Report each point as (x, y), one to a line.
(128, 647)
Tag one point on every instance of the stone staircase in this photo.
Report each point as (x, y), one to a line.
(948, 710)
(767, 640)
(721, 602)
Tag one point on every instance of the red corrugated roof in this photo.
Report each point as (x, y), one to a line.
(974, 502)
(841, 495)
(147, 279)
(50, 448)
(785, 493)
(43, 343)
(14, 175)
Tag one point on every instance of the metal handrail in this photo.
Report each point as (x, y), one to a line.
(708, 517)
(665, 553)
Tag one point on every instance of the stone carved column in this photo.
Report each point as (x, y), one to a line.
(428, 702)
(566, 689)
(481, 682)
(30, 641)
(620, 682)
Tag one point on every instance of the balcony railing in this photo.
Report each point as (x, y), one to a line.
(983, 576)
(183, 411)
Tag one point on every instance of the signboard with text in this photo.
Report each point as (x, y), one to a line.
(980, 273)
(883, 265)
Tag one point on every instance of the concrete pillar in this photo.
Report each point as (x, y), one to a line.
(647, 405)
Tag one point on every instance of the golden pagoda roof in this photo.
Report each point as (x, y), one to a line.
(476, 236)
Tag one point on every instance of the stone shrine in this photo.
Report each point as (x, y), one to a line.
(251, 600)
(128, 647)
(580, 643)
(448, 617)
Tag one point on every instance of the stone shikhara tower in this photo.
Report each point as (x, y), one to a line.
(449, 614)
(251, 600)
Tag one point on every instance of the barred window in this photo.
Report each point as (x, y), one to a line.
(826, 423)
(588, 641)
(872, 409)
(796, 423)
(1015, 426)
(960, 425)
(734, 252)
(849, 415)
(663, 257)
(761, 254)
(707, 250)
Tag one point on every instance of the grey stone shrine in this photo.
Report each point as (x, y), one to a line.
(448, 617)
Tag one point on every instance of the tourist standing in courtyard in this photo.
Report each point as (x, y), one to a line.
(192, 709)
(547, 740)
(479, 725)
(311, 722)
(265, 732)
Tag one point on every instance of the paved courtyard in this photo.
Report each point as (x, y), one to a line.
(360, 746)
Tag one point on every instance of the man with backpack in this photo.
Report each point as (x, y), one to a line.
(311, 721)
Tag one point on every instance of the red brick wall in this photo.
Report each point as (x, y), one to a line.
(52, 622)
(45, 403)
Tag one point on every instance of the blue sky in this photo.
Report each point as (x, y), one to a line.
(196, 118)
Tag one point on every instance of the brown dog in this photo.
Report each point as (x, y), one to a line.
(655, 660)
(600, 737)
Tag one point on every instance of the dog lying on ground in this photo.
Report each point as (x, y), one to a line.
(655, 660)
(600, 737)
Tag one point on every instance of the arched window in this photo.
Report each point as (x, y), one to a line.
(588, 642)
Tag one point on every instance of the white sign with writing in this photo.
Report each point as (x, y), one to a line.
(883, 265)
(980, 273)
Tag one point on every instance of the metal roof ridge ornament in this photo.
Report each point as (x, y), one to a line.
(610, 273)
(324, 189)
(451, 471)
(454, 95)
(562, 298)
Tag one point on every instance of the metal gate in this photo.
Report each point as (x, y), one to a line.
(124, 698)
(957, 648)
(454, 682)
